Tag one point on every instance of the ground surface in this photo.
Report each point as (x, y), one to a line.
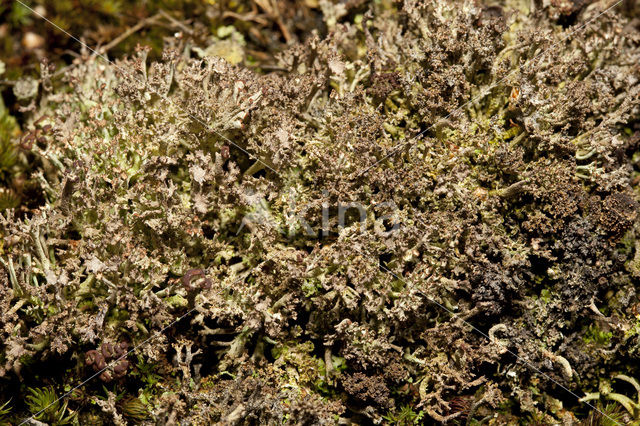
(319, 212)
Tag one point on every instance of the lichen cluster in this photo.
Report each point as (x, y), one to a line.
(493, 278)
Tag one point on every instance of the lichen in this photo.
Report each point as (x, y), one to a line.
(427, 212)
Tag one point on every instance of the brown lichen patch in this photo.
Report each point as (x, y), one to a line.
(367, 389)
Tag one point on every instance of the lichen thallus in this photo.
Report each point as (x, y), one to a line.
(147, 341)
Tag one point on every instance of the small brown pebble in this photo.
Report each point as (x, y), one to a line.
(106, 376)
(99, 362)
(91, 356)
(107, 350)
(121, 367)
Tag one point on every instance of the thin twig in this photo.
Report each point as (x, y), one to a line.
(113, 43)
(175, 22)
(249, 17)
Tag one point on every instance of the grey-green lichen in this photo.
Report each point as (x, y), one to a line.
(516, 203)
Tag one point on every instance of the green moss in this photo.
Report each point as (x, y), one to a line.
(405, 416)
(545, 295)
(44, 406)
(596, 336)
